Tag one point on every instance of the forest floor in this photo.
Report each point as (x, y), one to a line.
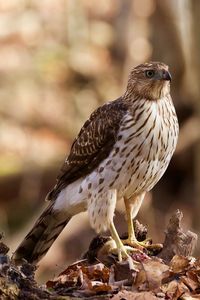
(171, 274)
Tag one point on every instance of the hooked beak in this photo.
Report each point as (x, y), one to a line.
(166, 75)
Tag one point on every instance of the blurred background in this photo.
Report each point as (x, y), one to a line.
(61, 59)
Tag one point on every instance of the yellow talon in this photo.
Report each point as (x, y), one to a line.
(132, 240)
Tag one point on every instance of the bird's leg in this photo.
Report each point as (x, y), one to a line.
(131, 240)
(132, 209)
(131, 231)
(121, 249)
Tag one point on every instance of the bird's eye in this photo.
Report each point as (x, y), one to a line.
(149, 73)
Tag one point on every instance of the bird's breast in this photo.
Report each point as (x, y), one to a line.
(146, 143)
(144, 146)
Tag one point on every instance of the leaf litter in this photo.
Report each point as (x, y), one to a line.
(99, 275)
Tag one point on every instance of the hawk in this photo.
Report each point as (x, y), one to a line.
(121, 152)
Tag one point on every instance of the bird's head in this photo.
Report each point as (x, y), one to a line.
(150, 81)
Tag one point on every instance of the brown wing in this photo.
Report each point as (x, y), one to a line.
(92, 145)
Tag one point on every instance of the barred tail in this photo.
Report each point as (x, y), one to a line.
(45, 231)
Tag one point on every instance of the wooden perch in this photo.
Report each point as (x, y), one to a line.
(177, 241)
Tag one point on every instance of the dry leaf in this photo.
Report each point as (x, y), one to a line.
(123, 272)
(174, 289)
(68, 278)
(126, 295)
(180, 264)
(101, 287)
(191, 280)
(188, 297)
(152, 273)
(96, 272)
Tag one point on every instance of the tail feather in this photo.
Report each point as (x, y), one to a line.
(45, 231)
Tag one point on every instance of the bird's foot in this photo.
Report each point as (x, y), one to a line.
(132, 242)
(121, 252)
(124, 252)
(145, 245)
